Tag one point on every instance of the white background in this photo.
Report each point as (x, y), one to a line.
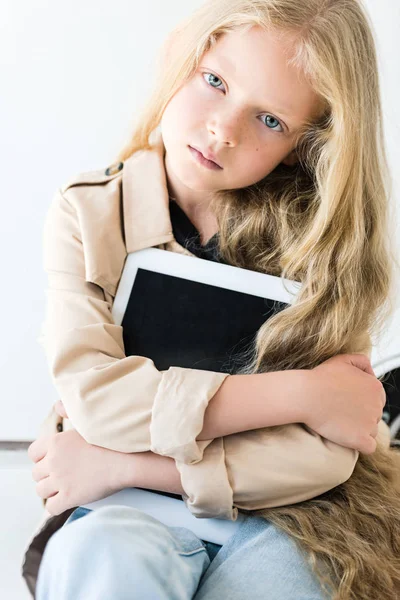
(72, 77)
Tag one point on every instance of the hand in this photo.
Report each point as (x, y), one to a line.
(345, 401)
(70, 472)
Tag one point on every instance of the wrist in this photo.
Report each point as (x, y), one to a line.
(145, 470)
(150, 471)
(122, 470)
(287, 397)
(254, 401)
(303, 396)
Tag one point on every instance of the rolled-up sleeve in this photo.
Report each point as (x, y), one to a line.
(273, 466)
(263, 468)
(119, 402)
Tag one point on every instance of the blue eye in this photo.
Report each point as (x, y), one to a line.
(276, 121)
(214, 76)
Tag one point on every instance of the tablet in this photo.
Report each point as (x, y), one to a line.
(172, 513)
(190, 312)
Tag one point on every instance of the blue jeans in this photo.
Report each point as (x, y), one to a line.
(121, 553)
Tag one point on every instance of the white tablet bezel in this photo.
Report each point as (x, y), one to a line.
(202, 271)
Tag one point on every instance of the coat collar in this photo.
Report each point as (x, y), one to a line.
(145, 197)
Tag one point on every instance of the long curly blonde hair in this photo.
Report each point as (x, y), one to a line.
(324, 222)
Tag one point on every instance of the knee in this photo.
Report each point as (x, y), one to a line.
(75, 541)
(110, 531)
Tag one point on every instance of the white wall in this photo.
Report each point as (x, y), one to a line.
(71, 77)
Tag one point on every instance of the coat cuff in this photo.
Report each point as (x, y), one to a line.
(208, 492)
(178, 412)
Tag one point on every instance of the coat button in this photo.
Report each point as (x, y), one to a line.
(114, 169)
(59, 427)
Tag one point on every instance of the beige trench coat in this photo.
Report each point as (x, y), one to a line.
(123, 402)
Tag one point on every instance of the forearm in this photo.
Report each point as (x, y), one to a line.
(151, 471)
(242, 403)
(247, 402)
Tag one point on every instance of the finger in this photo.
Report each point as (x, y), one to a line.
(46, 488)
(38, 449)
(369, 446)
(40, 470)
(60, 409)
(374, 431)
(362, 362)
(55, 506)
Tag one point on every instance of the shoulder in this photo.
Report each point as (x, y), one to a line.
(94, 195)
(84, 225)
(94, 198)
(95, 177)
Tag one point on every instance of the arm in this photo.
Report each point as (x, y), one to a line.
(246, 402)
(85, 349)
(266, 468)
(160, 411)
(254, 469)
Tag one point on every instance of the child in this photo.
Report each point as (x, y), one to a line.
(283, 100)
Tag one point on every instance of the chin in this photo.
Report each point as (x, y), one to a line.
(189, 177)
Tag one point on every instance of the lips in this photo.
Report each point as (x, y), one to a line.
(208, 155)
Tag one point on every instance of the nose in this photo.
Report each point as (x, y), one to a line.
(224, 129)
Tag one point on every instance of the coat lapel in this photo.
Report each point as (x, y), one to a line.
(145, 198)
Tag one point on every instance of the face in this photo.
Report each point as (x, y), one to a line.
(243, 106)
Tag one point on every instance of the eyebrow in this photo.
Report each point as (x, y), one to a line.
(285, 112)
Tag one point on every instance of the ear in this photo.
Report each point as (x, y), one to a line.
(291, 159)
